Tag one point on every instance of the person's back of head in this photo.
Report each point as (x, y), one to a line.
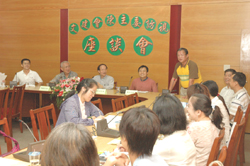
(69, 144)
(240, 78)
(197, 88)
(171, 114)
(140, 128)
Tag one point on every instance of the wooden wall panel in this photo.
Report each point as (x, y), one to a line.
(32, 5)
(115, 4)
(30, 34)
(30, 22)
(185, 2)
(119, 66)
(212, 34)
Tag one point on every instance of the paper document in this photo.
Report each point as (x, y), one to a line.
(143, 91)
(114, 122)
(2, 76)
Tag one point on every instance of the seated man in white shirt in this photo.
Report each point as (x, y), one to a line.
(104, 81)
(27, 76)
(241, 97)
(67, 73)
(227, 93)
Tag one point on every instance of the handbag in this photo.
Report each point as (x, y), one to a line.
(14, 149)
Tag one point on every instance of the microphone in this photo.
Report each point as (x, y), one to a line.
(130, 81)
(118, 113)
(27, 128)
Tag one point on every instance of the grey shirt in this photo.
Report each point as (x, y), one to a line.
(71, 112)
(62, 76)
(107, 82)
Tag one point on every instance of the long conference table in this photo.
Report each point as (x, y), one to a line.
(147, 99)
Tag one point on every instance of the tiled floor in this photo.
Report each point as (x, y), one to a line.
(26, 137)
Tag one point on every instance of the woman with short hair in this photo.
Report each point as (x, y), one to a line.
(77, 108)
(175, 144)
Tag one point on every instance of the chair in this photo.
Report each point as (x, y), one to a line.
(216, 147)
(43, 118)
(4, 97)
(132, 99)
(16, 104)
(119, 103)
(6, 129)
(238, 115)
(98, 103)
(222, 157)
(242, 139)
(234, 144)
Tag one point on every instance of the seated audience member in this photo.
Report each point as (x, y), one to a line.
(204, 130)
(218, 100)
(175, 144)
(105, 81)
(197, 89)
(78, 108)
(27, 76)
(143, 83)
(69, 144)
(227, 93)
(139, 129)
(241, 97)
(67, 73)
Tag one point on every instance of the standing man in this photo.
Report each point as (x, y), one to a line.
(241, 97)
(104, 81)
(27, 76)
(186, 70)
(227, 93)
(67, 73)
(143, 83)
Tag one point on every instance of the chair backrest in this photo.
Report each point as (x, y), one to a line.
(4, 97)
(119, 103)
(234, 144)
(238, 115)
(222, 157)
(43, 118)
(216, 147)
(98, 103)
(246, 118)
(6, 129)
(16, 101)
(132, 99)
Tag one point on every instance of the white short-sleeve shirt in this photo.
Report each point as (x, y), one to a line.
(31, 78)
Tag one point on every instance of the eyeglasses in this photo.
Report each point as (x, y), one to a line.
(93, 92)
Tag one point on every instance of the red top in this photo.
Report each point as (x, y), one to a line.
(147, 85)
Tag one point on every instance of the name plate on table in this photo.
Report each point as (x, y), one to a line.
(101, 91)
(129, 92)
(45, 88)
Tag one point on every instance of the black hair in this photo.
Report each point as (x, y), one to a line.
(213, 90)
(141, 127)
(86, 83)
(142, 66)
(98, 68)
(240, 78)
(25, 59)
(183, 49)
(171, 114)
(230, 70)
(197, 88)
(203, 103)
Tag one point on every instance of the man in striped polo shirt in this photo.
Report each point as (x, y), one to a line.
(241, 97)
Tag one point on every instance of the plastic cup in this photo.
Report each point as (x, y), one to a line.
(34, 158)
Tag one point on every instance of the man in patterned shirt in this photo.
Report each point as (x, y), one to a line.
(241, 97)
(186, 70)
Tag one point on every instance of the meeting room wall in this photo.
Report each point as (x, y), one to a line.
(210, 29)
(30, 29)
